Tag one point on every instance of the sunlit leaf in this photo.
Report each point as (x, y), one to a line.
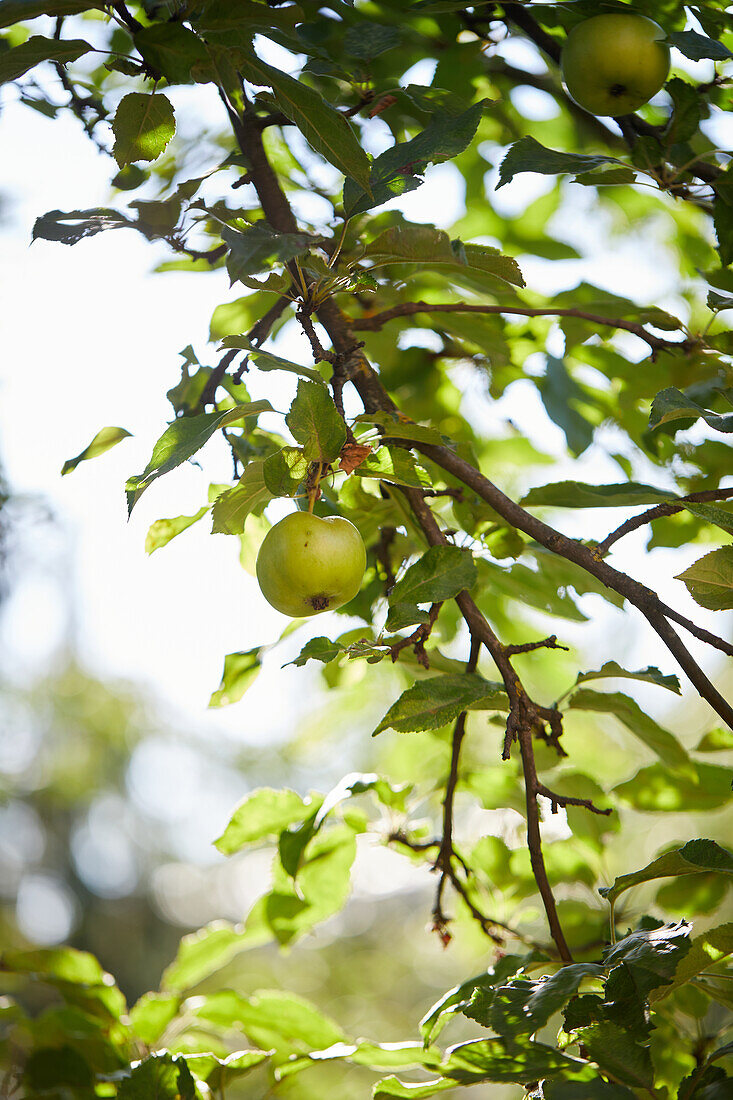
(103, 440)
(710, 580)
(232, 508)
(628, 711)
(696, 856)
(240, 670)
(18, 60)
(143, 125)
(434, 702)
(316, 423)
(264, 813)
(162, 531)
(324, 128)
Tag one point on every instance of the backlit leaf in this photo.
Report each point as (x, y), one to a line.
(162, 531)
(434, 702)
(324, 128)
(143, 125)
(696, 856)
(527, 155)
(232, 508)
(264, 813)
(18, 60)
(441, 573)
(710, 580)
(240, 670)
(628, 711)
(316, 423)
(103, 440)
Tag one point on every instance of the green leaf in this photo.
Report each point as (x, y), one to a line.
(688, 106)
(325, 129)
(717, 740)
(440, 574)
(264, 813)
(367, 40)
(18, 60)
(17, 11)
(324, 880)
(240, 670)
(597, 1089)
(672, 404)
(391, 1088)
(232, 508)
(179, 442)
(162, 531)
(319, 649)
(456, 999)
(285, 471)
(658, 739)
(218, 1072)
(495, 1060)
(523, 1006)
(150, 1016)
(143, 125)
(711, 513)
(287, 1023)
(316, 423)
(696, 856)
(563, 399)
(257, 247)
(653, 954)
(436, 701)
(527, 155)
(617, 1053)
(397, 170)
(70, 227)
(576, 494)
(103, 440)
(650, 675)
(698, 46)
(202, 953)
(171, 49)
(425, 245)
(705, 951)
(64, 964)
(656, 789)
(265, 360)
(710, 580)
(163, 1076)
(401, 429)
(393, 464)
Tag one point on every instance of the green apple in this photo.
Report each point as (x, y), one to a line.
(612, 64)
(307, 564)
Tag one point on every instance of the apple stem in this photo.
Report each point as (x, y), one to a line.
(314, 491)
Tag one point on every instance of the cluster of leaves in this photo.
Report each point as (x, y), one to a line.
(173, 1044)
(651, 389)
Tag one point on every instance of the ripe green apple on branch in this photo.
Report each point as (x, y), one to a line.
(306, 564)
(613, 64)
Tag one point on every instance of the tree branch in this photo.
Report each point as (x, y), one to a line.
(659, 510)
(406, 309)
(643, 598)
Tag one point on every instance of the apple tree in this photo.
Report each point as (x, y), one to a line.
(418, 345)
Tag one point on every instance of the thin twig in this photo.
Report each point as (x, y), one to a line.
(528, 647)
(667, 509)
(418, 638)
(444, 858)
